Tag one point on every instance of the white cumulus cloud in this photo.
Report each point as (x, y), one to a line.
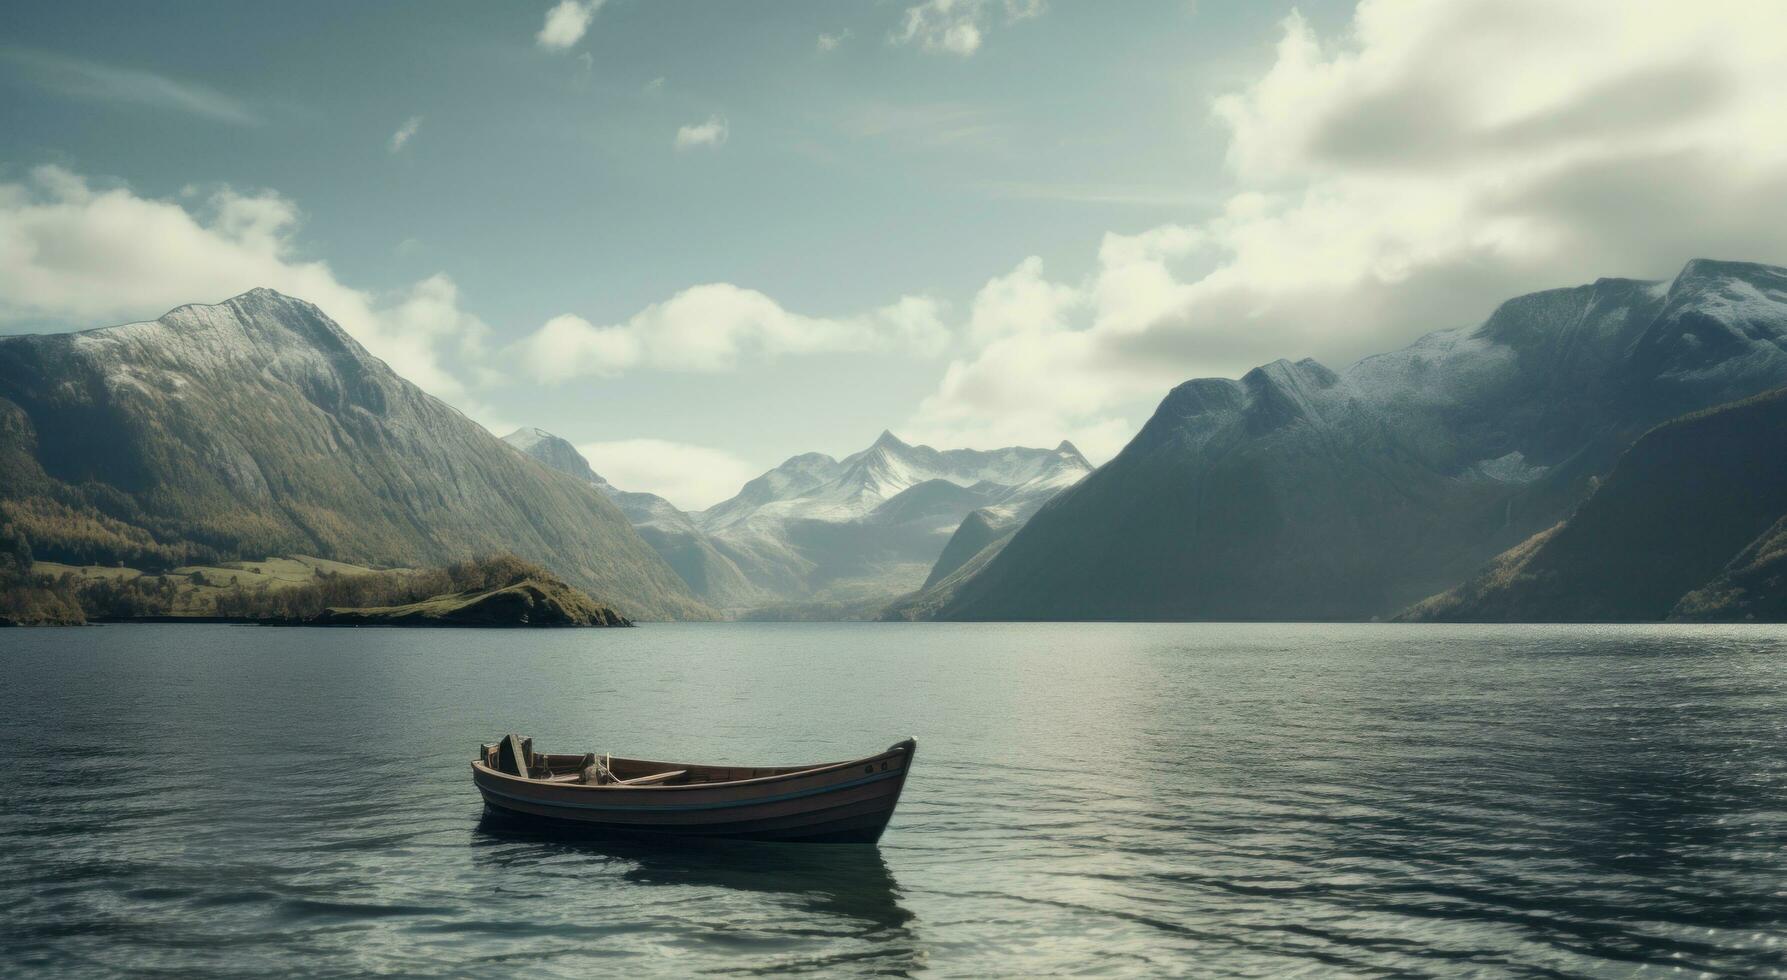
(958, 27)
(691, 477)
(712, 327)
(713, 132)
(75, 254)
(566, 23)
(1402, 176)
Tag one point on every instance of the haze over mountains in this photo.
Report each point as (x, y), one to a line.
(1491, 472)
(258, 427)
(818, 536)
(1298, 492)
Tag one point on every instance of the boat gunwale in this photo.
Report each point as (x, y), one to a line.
(752, 801)
(898, 748)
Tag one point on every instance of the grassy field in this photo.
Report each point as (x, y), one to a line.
(194, 589)
(495, 590)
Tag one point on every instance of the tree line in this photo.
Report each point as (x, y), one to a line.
(29, 597)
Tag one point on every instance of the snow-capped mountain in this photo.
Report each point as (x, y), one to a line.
(258, 426)
(824, 536)
(842, 537)
(1299, 492)
(814, 486)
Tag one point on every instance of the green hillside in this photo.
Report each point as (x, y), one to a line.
(256, 427)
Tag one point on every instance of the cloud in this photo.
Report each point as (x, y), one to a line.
(1020, 303)
(926, 125)
(1406, 175)
(566, 23)
(405, 132)
(830, 42)
(710, 133)
(654, 86)
(713, 327)
(93, 81)
(78, 255)
(691, 477)
(957, 26)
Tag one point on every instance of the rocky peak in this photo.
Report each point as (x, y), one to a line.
(1071, 453)
(554, 452)
(1721, 334)
(1283, 391)
(887, 440)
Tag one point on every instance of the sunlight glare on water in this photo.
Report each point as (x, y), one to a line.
(1224, 800)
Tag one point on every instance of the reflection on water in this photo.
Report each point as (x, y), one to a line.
(848, 881)
(1122, 799)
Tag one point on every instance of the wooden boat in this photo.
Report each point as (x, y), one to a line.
(834, 802)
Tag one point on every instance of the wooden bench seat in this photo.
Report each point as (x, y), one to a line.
(654, 778)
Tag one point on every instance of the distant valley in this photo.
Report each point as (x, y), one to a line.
(823, 538)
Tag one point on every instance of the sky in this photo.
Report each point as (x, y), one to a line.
(697, 238)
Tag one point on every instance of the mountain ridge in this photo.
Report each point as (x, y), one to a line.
(258, 426)
(821, 536)
(1682, 523)
(1300, 492)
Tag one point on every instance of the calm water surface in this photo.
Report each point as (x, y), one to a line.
(1090, 799)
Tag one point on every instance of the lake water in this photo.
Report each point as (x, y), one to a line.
(1217, 800)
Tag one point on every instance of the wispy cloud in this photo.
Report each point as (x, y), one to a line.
(566, 23)
(710, 133)
(80, 79)
(405, 132)
(830, 42)
(958, 26)
(931, 125)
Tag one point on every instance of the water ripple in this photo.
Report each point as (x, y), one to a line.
(1096, 799)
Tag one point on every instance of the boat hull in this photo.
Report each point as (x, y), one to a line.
(846, 803)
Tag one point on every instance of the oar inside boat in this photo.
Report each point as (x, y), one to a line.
(833, 802)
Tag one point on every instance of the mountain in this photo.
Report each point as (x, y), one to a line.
(996, 523)
(1752, 587)
(1298, 492)
(258, 427)
(975, 542)
(819, 537)
(1697, 505)
(844, 537)
(971, 537)
(556, 453)
(817, 487)
(689, 551)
